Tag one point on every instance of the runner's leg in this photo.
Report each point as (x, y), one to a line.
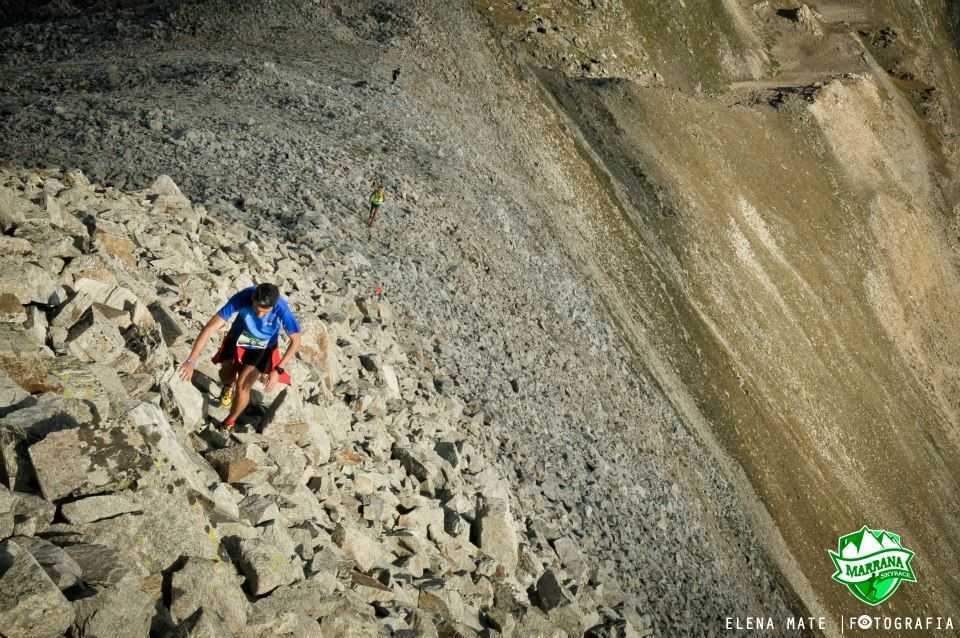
(248, 376)
(228, 373)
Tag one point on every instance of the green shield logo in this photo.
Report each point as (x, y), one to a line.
(872, 563)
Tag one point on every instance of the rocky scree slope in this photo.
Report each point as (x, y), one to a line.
(348, 504)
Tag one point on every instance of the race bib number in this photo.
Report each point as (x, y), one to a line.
(248, 341)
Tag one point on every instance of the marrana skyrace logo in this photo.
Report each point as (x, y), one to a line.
(872, 563)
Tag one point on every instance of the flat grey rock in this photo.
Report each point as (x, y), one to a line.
(85, 460)
(31, 605)
(94, 508)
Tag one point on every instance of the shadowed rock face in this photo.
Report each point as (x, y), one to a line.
(14, 11)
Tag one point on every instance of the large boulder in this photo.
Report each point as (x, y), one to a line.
(357, 544)
(320, 350)
(86, 292)
(213, 586)
(292, 465)
(164, 191)
(95, 337)
(31, 605)
(50, 413)
(123, 609)
(182, 399)
(11, 310)
(100, 565)
(112, 242)
(86, 460)
(28, 282)
(258, 509)
(13, 208)
(171, 326)
(12, 394)
(62, 569)
(269, 561)
(285, 416)
(551, 593)
(15, 467)
(204, 624)
(31, 514)
(236, 462)
(22, 358)
(572, 558)
(174, 452)
(347, 617)
(36, 370)
(172, 524)
(306, 598)
(332, 419)
(497, 533)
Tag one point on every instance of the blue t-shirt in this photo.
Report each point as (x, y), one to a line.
(258, 332)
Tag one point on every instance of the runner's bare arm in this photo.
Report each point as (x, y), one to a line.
(186, 368)
(291, 350)
(274, 376)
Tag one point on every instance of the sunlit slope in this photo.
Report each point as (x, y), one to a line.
(796, 273)
(781, 252)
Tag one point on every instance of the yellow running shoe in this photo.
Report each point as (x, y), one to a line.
(226, 397)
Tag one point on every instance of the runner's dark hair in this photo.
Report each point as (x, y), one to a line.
(266, 295)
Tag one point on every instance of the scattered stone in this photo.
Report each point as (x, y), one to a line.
(360, 547)
(258, 510)
(236, 462)
(550, 593)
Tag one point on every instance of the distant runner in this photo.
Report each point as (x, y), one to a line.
(249, 351)
(376, 200)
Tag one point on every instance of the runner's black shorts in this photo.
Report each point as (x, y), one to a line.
(262, 360)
